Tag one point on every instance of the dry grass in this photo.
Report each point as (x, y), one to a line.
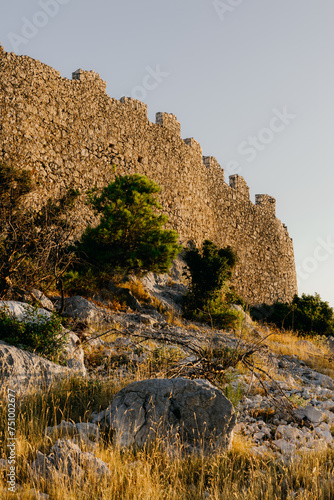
(288, 343)
(139, 291)
(152, 474)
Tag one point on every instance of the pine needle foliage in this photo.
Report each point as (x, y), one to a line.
(129, 237)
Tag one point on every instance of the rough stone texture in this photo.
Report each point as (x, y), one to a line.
(66, 460)
(80, 433)
(20, 368)
(83, 310)
(75, 356)
(42, 300)
(22, 311)
(191, 410)
(71, 133)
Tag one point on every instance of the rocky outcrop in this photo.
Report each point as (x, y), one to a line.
(21, 369)
(22, 311)
(80, 433)
(67, 461)
(83, 310)
(191, 411)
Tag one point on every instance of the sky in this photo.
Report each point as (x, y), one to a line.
(252, 81)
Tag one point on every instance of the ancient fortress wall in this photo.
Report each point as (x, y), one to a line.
(71, 133)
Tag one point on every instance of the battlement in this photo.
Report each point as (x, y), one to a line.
(170, 121)
(135, 104)
(266, 203)
(239, 184)
(194, 145)
(91, 78)
(212, 164)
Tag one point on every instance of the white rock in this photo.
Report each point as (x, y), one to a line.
(19, 369)
(317, 444)
(193, 409)
(325, 434)
(75, 354)
(328, 405)
(315, 416)
(258, 436)
(63, 428)
(42, 299)
(22, 311)
(259, 450)
(288, 432)
(284, 446)
(83, 310)
(67, 460)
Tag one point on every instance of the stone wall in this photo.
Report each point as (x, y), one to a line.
(71, 133)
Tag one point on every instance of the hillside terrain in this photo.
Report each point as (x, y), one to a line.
(275, 441)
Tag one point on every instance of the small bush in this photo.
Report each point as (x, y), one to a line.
(307, 315)
(216, 312)
(209, 294)
(36, 333)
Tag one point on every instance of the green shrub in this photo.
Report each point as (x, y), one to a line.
(307, 314)
(35, 332)
(209, 294)
(217, 312)
(130, 237)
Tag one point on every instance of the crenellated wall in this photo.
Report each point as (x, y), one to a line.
(71, 133)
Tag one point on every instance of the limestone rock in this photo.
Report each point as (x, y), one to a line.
(44, 302)
(191, 410)
(20, 368)
(74, 354)
(309, 347)
(84, 311)
(246, 319)
(285, 447)
(22, 311)
(67, 460)
(315, 416)
(330, 343)
(80, 433)
(170, 288)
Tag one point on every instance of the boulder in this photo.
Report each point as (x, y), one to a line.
(42, 300)
(310, 413)
(83, 310)
(19, 369)
(310, 348)
(22, 311)
(245, 318)
(330, 343)
(80, 433)
(170, 288)
(191, 411)
(67, 461)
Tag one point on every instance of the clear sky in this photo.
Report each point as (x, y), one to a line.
(251, 80)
